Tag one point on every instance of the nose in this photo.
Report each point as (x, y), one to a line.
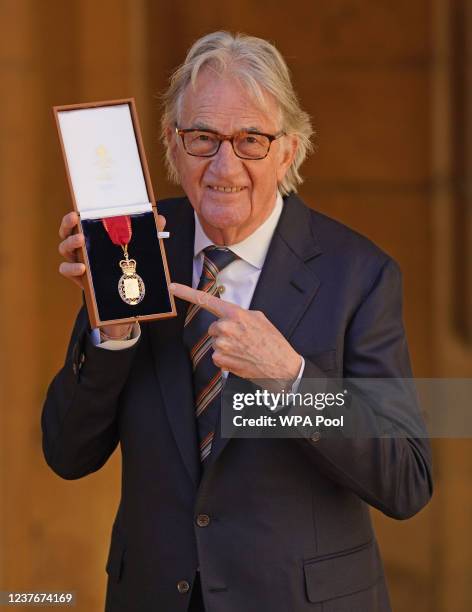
(226, 162)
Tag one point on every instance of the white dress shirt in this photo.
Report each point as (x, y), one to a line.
(239, 278)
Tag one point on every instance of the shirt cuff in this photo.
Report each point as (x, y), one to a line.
(116, 345)
(297, 381)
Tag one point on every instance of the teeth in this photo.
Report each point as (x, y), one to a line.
(226, 189)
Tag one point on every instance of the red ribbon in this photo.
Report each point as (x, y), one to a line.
(119, 229)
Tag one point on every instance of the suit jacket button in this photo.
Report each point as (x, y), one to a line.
(203, 520)
(315, 437)
(183, 587)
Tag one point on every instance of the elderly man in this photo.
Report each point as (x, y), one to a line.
(223, 524)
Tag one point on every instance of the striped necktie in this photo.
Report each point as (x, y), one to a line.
(207, 377)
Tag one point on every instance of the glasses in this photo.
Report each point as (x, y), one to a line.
(246, 145)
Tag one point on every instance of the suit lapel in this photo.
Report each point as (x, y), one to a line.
(286, 285)
(171, 361)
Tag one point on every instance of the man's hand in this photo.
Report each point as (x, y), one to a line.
(68, 247)
(245, 342)
(72, 269)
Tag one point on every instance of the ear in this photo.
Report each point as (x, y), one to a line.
(287, 151)
(172, 144)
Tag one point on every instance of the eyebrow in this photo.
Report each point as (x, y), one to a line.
(199, 125)
(202, 126)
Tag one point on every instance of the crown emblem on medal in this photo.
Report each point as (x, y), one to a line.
(128, 266)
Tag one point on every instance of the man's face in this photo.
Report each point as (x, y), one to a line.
(221, 104)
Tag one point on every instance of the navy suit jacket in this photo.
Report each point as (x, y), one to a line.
(288, 526)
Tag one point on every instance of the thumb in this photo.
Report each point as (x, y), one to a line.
(161, 222)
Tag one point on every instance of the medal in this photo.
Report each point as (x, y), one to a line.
(130, 286)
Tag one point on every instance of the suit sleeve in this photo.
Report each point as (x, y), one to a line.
(391, 473)
(80, 414)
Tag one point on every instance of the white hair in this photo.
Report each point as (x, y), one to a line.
(260, 67)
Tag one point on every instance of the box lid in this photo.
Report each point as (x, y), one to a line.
(102, 155)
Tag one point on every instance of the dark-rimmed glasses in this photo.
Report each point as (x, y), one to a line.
(246, 144)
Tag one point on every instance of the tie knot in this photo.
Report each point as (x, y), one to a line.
(219, 257)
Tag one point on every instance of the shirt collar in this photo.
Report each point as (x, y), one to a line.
(252, 249)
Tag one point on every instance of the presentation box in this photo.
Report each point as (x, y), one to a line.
(127, 276)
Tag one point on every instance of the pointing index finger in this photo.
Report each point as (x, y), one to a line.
(209, 302)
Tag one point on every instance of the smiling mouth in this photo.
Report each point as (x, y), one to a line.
(224, 189)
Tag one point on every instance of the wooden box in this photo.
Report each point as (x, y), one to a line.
(108, 177)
